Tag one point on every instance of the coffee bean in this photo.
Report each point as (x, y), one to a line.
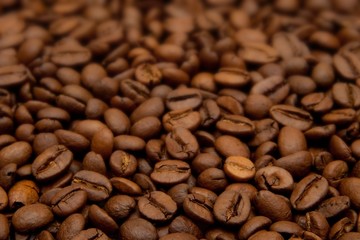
(198, 208)
(4, 227)
(317, 223)
(252, 226)
(259, 53)
(265, 130)
(213, 179)
(333, 206)
(91, 233)
(32, 217)
(303, 196)
(291, 116)
(117, 121)
(181, 144)
(185, 225)
(232, 77)
(232, 208)
(178, 236)
(275, 88)
(347, 64)
(182, 98)
(18, 153)
(102, 220)
(24, 192)
(120, 206)
(236, 125)
(230, 146)
(273, 206)
(70, 53)
(71, 227)
(287, 228)
(52, 162)
(291, 140)
(136, 91)
(170, 172)
(137, 228)
(68, 201)
(181, 118)
(14, 75)
(157, 206)
(346, 95)
(239, 168)
(266, 235)
(97, 186)
(146, 127)
(275, 179)
(122, 163)
(151, 107)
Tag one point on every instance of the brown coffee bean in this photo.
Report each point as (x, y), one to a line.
(317, 223)
(347, 187)
(239, 168)
(4, 227)
(185, 225)
(232, 208)
(134, 90)
(257, 106)
(137, 228)
(18, 153)
(22, 193)
(146, 127)
(170, 172)
(291, 140)
(117, 121)
(291, 116)
(100, 219)
(71, 227)
(274, 179)
(102, 142)
(151, 107)
(259, 53)
(347, 64)
(309, 191)
(263, 234)
(230, 146)
(265, 130)
(232, 77)
(273, 206)
(236, 125)
(181, 118)
(14, 75)
(181, 144)
(68, 200)
(122, 164)
(125, 186)
(346, 95)
(252, 226)
(91, 233)
(51, 163)
(199, 208)
(73, 141)
(70, 53)
(275, 88)
(87, 128)
(340, 150)
(213, 179)
(287, 228)
(157, 206)
(148, 74)
(120, 206)
(97, 186)
(32, 217)
(339, 116)
(334, 206)
(182, 98)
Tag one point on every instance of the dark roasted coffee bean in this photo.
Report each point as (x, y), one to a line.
(275, 88)
(119, 206)
(275, 179)
(273, 206)
(68, 201)
(213, 179)
(100, 219)
(236, 125)
(182, 98)
(199, 208)
(157, 206)
(181, 144)
(52, 162)
(170, 172)
(97, 186)
(71, 227)
(32, 217)
(181, 118)
(122, 163)
(139, 229)
(291, 116)
(232, 208)
(309, 191)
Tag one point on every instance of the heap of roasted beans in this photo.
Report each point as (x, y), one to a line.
(179, 120)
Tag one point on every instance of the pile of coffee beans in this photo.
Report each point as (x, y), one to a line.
(179, 119)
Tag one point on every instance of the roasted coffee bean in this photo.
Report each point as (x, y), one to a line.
(259, 53)
(252, 226)
(102, 220)
(286, 228)
(275, 179)
(117, 121)
(14, 75)
(317, 223)
(333, 206)
(347, 64)
(97, 186)
(146, 127)
(51, 163)
(125, 186)
(232, 77)
(70, 53)
(170, 172)
(18, 153)
(182, 98)
(335, 171)
(309, 191)
(239, 168)
(181, 144)
(138, 228)
(122, 163)
(263, 234)
(181, 118)
(91, 233)
(4, 227)
(291, 116)
(151, 107)
(346, 95)
(232, 208)
(231, 146)
(347, 187)
(120, 206)
(22, 193)
(213, 179)
(273, 206)
(291, 140)
(71, 226)
(236, 125)
(185, 225)
(157, 206)
(275, 88)
(32, 217)
(68, 201)
(199, 208)
(265, 130)
(318, 102)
